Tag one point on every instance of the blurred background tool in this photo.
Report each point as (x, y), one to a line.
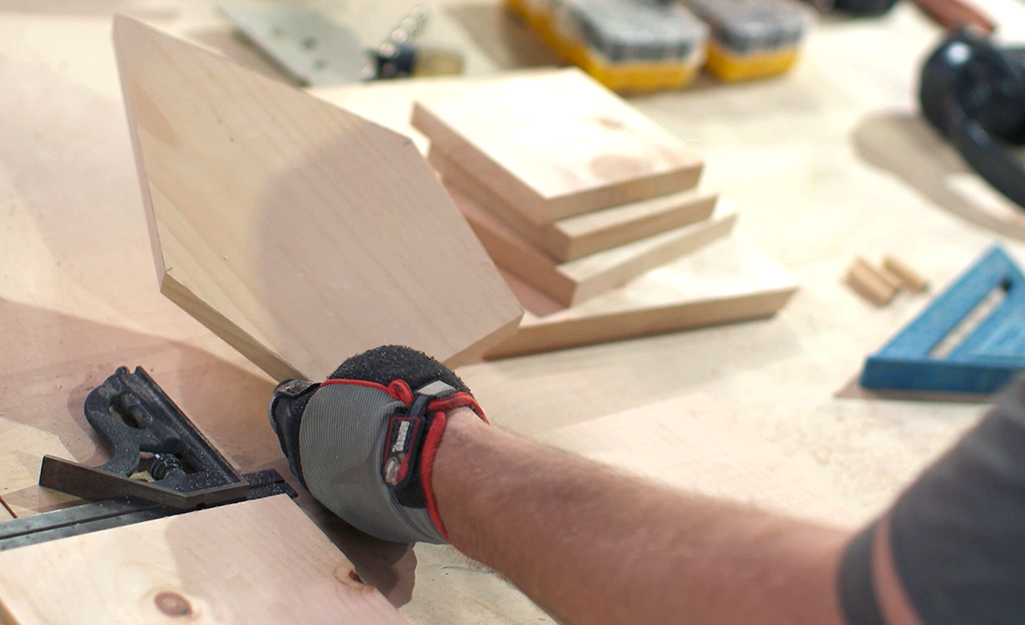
(973, 93)
(949, 14)
(397, 57)
(316, 51)
(750, 38)
(627, 45)
(646, 45)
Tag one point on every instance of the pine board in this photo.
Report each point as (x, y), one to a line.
(726, 282)
(582, 279)
(575, 237)
(557, 145)
(294, 229)
(257, 562)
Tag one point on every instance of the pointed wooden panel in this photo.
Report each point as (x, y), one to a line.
(726, 282)
(260, 562)
(575, 237)
(298, 232)
(557, 145)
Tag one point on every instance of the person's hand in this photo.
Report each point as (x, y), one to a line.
(363, 441)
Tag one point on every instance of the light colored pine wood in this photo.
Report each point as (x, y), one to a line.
(575, 237)
(867, 282)
(888, 276)
(257, 562)
(695, 444)
(557, 145)
(579, 280)
(910, 278)
(22, 448)
(725, 282)
(298, 232)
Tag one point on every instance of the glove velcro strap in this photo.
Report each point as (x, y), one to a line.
(412, 433)
(432, 441)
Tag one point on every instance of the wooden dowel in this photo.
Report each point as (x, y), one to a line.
(911, 278)
(867, 282)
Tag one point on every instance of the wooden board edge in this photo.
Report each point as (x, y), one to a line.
(613, 194)
(461, 149)
(540, 336)
(675, 243)
(555, 239)
(454, 175)
(476, 351)
(572, 248)
(272, 364)
(117, 29)
(510, 252)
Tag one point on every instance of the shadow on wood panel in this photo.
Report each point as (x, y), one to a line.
(905, 145)
(853, 390)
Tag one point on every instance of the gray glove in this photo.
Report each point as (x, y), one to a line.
(363, 441)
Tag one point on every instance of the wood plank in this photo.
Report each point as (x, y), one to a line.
(579, 280)
(695, 444)
(557, 145)
(575, 237)
(726, 282)
(257, 562)
(296, 231)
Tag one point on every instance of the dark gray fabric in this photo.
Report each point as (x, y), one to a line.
(397, 362)
(341, 445)
(958, 532)
(857, 594)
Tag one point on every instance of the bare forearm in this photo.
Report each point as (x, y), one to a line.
(592, 546)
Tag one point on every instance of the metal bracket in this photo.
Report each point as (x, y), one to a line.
(134, 417)
(144, 430)
(310, 47)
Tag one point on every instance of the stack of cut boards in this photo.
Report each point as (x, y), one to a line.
(592, 212)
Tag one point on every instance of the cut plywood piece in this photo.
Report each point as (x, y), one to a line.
(579, 280)
(298, 232)
(575, 237)
(694, 444)
(725, 282)
(257, 562)
(22, 448)
(557, 145)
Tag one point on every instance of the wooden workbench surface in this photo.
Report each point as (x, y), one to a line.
(826, 163)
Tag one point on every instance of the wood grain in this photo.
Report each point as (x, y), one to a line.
(726, 282)
(296, 231)
(575, 237)
(257, 562)
(557, 145)
(579, 280)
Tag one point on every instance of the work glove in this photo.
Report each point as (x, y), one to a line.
(363, 441)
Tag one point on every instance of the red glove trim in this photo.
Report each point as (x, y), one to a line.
(397, 390)
(458, 400)
(430, 449)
